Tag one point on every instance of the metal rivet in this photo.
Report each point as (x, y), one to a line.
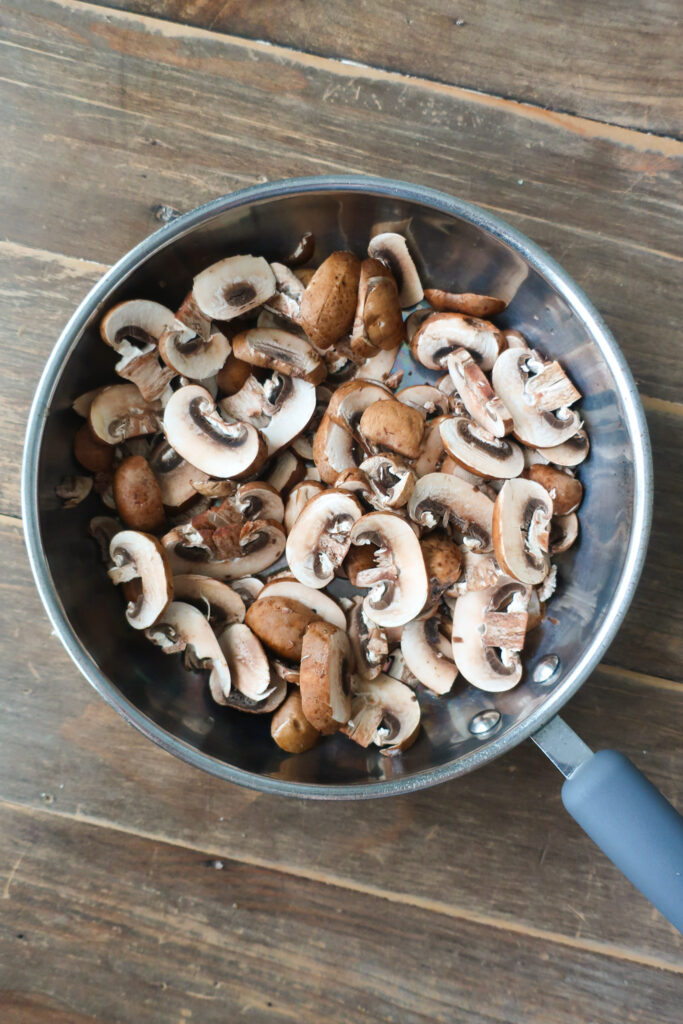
(485, 722)
(547, 669)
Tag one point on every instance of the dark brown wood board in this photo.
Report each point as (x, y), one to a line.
(613, 61)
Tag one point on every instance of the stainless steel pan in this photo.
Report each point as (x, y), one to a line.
(454, 242)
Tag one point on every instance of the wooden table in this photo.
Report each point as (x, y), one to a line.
(136, 889)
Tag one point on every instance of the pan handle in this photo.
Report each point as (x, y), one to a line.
(623, 813)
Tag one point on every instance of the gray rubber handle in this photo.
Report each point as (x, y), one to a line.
(633, 824)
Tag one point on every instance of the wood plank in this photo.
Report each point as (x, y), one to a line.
(441, 848)
(595, 61)
(134, 112)
(186, 941)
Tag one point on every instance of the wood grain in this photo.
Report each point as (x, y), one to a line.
(611, 61)
(444, 848)
(189, 937)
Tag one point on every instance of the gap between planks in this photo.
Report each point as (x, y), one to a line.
(344, 68)
(434, 906)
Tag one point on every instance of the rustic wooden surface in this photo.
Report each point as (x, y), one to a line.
(475, 901)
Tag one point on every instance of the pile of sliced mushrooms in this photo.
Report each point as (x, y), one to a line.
(326, 544)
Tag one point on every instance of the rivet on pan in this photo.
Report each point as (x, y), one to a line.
(547, 669)
(485, 722)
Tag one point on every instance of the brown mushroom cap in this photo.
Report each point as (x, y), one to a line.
(370, 269)
(280, 622)
(232, 375)
(280, 350)
(542, 428)
(399, 578)
(479, 451)
(392, 426)
(320, 538)
(196, 431)
(182, 626)
(426, 398)
(92, 453)
(138, 495)
(351, 399)
(392, 249)
(444, 499)
(464, 302)
(563, 533)
(119, 412)
(385, 712)
(320, 603)
(565, 491)
(382, 319)
(290, 728)
(429, 654)
(233, 286)
(521, 524)
(485, 664)
(324, 677)
(136, 555)
(442, 333)
(329, 301)
(443, 562)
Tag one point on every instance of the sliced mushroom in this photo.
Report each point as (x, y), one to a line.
(299, 495)
(285, 670)
(272, 699)
(286, 301)
(73, 489)
(415, 321)
(232, 375)
(261, 543)
(333, 450)
(233, 286)
(280, 408)
(432, 453)
(303, 443)
(399, 578)
(426, 398)
(247, 661)
(258, 500)
(371, 270)
(350, 401)
(138, 495)
(392, 249)
(464, 302)
(521, 526)
(515, 339)
(280, 350)
(220, 603)
(92, 453)
(357, 560)
(570, 453)
(183, 626)
(377, 368)
(178, 480)
(563, 533)
(120, 411)
(139, 556)
(248, 588)
(479, 571)
(368, 642)
(321, 604)
(324, 677)
(81, 405)
(385, 712)
(429, 654)
(391, 481)
(440, 499)
(321, 536)
(288, 470)
(133, 329)
(290, 728)
(199, 434)
(391, 426)
(382, 320)
(443, 562)
(196, 357)
(549, 388)
(485, 651)
(102, 529)
(302, 251)
(442, 333)
(329, 300)
(477, 395)
(479, 451)
(539, 427)
(453, 468)
(565, 490)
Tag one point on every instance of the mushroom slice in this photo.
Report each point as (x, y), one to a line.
(280, 350)
(133, 329)
(426, 398)
(81, 405)
(232, 375)
(429, 654)
(368, 642)
(385, 712)
(73, 490)
(194, 428)
(515, 339)
(415, 321)
(280, 408)
(247, 661)
(453, 468)
(570, 453)
(521, 527)
(350, 401)
(377, 368)
(299, 495)
(382, 320)
(140, 556)
(477, 395)
(374, 271)
(302, 251)
(333, 450)
(258, 500)
(233, 286)
(248, 588)
(286, 301)
(324, 677)
(443, 562)
(195, 357)
(479, 571)
(549, 388)
(329, 300)
(391, 426)
(288, 470)
(540, 428)
(285, 670)
(391, 481)
(102, 529)
(354, 481)
(485, 650)
(479, 451)
(178, 480)
(220, 603)
(270, 702)
(303, 443)
(440, 499)
(464, 302)
(399, 578)
(137, 495)
(280, 623)
(320, 603)
(442, 333)
(119, 412)
(321, 537)
(290, 729)
(564, 489)
(432, 453)
(392, 249)
(183, 626)
(563, 533)
(260, 544)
